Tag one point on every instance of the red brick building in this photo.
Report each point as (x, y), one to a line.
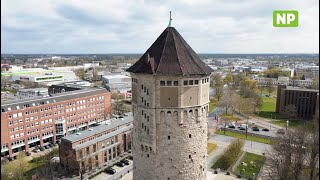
(36, 122)
(97, 146)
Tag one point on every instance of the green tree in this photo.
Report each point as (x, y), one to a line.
(261, 88)
(228, 79)
(81, 73)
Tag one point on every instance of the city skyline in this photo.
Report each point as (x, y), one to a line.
(58, 27)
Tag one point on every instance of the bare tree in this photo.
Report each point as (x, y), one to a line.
(295, 155)
(227, 101)
(269, 87)
(261, 88)
(290, 111)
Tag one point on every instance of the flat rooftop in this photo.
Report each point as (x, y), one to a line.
(300, 89)
(99, 129)
(59, 97)
(33, 89)
(115, 76)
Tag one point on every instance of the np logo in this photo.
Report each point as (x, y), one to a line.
(285, 18)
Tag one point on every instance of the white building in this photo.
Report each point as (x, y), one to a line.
(117, 83)
(32, 93)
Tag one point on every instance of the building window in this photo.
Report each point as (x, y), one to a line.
(190, 82)
(162, 83)
(147, 155)
(189, 135)
(185, 83)
(175, 83)
(169, 137)
(88, 152)
(196, 81)
(94, 148)
(80, 154)
(169, 83)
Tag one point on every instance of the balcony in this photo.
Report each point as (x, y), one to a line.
(92, 122)
(83, 125)
(33, 140)
(18, 145)
(73, 128)
(47, 136)
(61, 121)
(4, 149)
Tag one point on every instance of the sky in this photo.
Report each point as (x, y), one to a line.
(131, 26)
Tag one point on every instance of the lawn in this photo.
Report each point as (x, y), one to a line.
(211, 147)
(213, 104)
(230, 117)
(292, 123)
(268, 109)
(254, 163)
(243, 136)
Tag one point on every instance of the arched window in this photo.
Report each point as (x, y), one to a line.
(169, 113)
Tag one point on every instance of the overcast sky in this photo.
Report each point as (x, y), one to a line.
(131, 26)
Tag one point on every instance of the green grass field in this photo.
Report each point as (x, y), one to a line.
(254, 163)
(211, 147)
(230, 117)
(243, 136)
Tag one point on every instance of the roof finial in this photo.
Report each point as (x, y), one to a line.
(169, 25)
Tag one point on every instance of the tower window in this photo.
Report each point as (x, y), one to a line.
(169, 83)
(147, 91)
(189, 156)
(185, 83)
(196, 81)
(162, 83)
(189, 135)
(202, 81)
(169, 137)
(147, 155)
(191, 82)
(141, 86)
(176, 83)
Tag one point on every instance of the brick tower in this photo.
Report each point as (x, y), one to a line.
(170, 96)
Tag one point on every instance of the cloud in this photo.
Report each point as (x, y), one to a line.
(119, 26)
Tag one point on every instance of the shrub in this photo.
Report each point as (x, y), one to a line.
(228, 173)
(216, 172)
(230, 155)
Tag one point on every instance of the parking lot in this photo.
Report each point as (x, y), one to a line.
(272, 131)
(120, 173)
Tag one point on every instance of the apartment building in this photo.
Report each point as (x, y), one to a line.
(96, 146)
(33, 122)
(305, 100)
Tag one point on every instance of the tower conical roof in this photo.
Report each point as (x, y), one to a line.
(170, 55)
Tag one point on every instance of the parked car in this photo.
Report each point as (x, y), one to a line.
(125, 161)
(28, 153)
(120, 164)
(36, 150)
(110, 170)
(242, 128)
(255, 128)
(265, 129)
(231, 126)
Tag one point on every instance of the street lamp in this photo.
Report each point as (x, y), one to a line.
(287, 125)
(247, 126)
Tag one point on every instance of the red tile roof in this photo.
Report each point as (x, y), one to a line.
(170, 55)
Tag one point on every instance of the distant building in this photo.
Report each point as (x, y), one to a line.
(305, 100)
(284, 81)
(68, 86)
(97, 146)
(117, 83)
(32, 93)
(36, 122)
